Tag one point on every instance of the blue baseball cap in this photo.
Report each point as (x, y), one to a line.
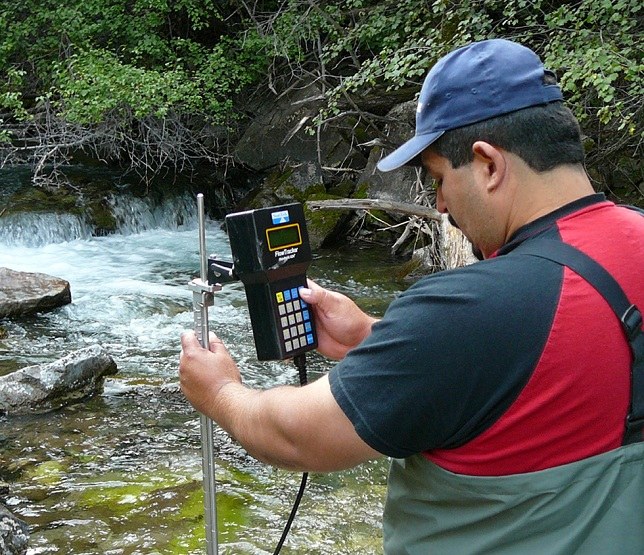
(476, 82)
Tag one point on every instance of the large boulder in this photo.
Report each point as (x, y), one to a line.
(14, 533)
(402, 184)
(280, 132)
(37, 389)
(27, 293)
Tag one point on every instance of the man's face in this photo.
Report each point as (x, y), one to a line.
(461, 197)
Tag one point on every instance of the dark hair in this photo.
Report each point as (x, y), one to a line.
(543, 136)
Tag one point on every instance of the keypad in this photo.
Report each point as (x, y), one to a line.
(295, 320)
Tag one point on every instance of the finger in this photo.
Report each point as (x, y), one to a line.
(214, 342)
(189, 340)
(307, 294)
(313, 285)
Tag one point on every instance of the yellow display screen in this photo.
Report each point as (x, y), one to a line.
(283, 236)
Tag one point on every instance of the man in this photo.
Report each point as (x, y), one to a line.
(500, 389)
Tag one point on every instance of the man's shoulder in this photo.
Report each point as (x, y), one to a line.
(491, 274)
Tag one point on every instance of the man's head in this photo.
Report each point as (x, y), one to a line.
(490, 127)
(472, 84)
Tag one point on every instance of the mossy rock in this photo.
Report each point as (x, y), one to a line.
(278, 178)
(344, 189)
(35, 199)
(325, 227)
(361, 191)
(297, 183)
(301, 195)
(279, 188)
(47, 473)
(90, 203)
(102, 218)
(261, 197)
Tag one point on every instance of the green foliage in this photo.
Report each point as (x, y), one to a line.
(100, 58)
(10, 87)
(136, 59)
(227, 69)
(95, 83)
(594, 45)
(599, 50)
(11, 100)
(372, 47)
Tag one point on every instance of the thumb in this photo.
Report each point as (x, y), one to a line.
(313, 294)
(189, 340)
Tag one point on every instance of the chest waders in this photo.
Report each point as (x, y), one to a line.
(593, 506)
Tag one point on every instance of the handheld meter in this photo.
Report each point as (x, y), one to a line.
(271, 253)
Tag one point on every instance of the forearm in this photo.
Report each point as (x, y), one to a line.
(352, 341)
(292, 427)
(255, 419)
(289, 427)
(368, 322)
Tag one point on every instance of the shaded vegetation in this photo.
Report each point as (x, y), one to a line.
(154, 84)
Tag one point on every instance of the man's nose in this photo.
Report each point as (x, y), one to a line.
(441, 205)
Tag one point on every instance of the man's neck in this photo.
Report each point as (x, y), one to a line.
(542, 193)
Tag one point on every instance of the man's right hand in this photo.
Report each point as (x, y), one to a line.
(340, 324)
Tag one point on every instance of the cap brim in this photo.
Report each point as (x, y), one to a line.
(407, 151)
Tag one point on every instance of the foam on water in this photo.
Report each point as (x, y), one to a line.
(129, 290)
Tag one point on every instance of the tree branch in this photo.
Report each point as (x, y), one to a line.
(407, 209)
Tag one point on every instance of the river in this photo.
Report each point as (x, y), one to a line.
(121, 473)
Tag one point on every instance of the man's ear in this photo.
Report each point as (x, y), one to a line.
(490, 163)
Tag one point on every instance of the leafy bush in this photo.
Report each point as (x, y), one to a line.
(97, 56)
(144, 71)
(92, 60)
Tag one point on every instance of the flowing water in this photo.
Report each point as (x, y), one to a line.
(121, 473)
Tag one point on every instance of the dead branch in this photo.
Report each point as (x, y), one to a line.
(407, 209)
(148, 146)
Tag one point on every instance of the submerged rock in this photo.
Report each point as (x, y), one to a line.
(37, 389)
(14, 533)
(29, 292)
(225, 446)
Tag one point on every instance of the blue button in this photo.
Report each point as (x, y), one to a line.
(309, 339)
(287, 295)
(295, 293)
(303, 304)
(305, 315)
(307, 326)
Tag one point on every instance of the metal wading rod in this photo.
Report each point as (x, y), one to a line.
(202, 298)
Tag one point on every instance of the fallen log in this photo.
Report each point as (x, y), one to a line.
(408, 209)
(451, 250)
